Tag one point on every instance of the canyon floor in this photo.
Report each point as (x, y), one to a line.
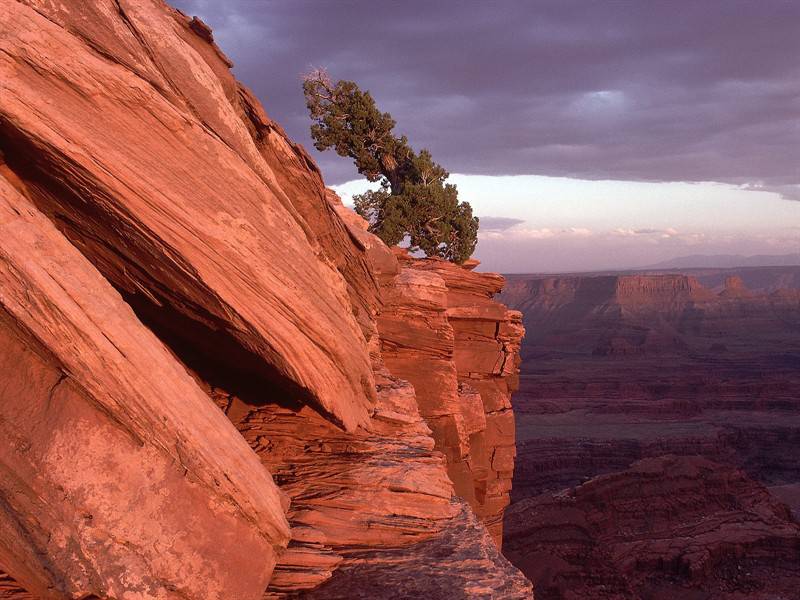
(657, 431)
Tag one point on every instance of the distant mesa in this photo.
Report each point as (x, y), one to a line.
(735, 288)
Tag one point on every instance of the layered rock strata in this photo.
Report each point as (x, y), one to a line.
(481, 572)
(198, 399)
(111, 452)
(441, 330)
(138, 163)
(10, 588)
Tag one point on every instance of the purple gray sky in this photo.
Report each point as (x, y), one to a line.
(678, 120)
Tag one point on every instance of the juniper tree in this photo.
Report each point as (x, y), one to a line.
(414, 199)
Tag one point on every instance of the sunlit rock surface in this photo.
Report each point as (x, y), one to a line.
(198, 398)
(110, 451)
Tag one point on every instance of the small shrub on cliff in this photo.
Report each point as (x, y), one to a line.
(413, 199)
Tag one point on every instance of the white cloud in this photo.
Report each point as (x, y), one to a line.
(667, 233)
(545, 233)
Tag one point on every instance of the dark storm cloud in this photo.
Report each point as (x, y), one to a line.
(499, 223)
(685, 91)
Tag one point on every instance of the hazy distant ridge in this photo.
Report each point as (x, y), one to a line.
(704, 261)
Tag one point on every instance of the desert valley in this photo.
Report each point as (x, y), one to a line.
(657, 434)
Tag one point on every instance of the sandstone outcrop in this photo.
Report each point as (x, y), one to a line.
(369, 505)
(668, 527)
(10, 588)
(139, 162)
(441, 330)
(482, 572)
(111, 452)
(199, 393)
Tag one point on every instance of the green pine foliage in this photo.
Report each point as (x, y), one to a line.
(414, 199)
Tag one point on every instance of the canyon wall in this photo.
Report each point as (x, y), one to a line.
(758, 279)
(618, 368)
(216, 383)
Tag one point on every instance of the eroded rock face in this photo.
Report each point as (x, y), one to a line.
(10, 589)
(380, 501)
(111, 453)
(463, 548)
(621, 368)
(377, 503)
(195, 397)
(148, 163)
(442, 331)
(383, 488)
(668, 527)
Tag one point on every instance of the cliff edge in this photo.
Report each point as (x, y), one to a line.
(216, 383)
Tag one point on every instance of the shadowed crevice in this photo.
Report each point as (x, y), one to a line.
(147, 276)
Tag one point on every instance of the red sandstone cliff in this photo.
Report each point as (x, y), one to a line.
(441, 331)
(474, 427)
(205, 361)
